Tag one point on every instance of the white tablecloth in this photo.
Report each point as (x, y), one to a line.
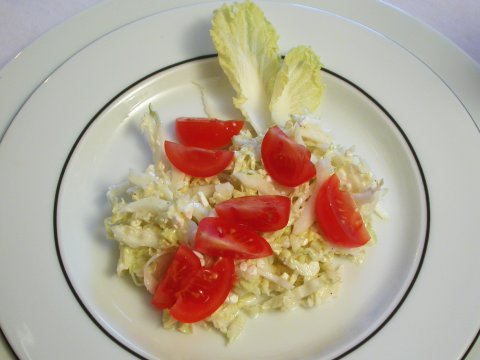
(23, 21)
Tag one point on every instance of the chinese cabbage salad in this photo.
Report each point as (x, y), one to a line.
(259, 215)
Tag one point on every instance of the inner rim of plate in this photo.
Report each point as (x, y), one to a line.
(110, 332)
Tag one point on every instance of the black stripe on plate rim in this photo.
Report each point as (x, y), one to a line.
(338, 76)
(9, 346)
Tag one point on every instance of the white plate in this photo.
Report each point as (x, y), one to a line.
(80, 103)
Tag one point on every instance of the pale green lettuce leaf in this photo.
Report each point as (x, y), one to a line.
(132, 260)
(248, 54)
(297, 88)
(152, 127)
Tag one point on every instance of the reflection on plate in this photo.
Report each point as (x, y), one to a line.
(111, 144)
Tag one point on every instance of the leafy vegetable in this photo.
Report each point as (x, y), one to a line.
(268, 90)
(297, 88)
(132, 260)
(152, 128)
(248, 54)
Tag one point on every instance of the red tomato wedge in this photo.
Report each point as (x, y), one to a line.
(197, 162)
(338, 217)
(287, 162)
(184, 264)
(261, 213)
(219, 237)
(205, 292)
(207, 133)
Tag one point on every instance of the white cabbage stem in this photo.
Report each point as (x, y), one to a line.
(307, 217)
(155, 268)
(274, 278)
(257, 182)
(367, 196)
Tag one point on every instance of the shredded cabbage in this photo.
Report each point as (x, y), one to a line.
(155, 211)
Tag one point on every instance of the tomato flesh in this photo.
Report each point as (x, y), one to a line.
(207, 133)
(183, 265)
(197, 162)
(219, 237)
(205, 292)
(261, 213)
(287, 162)
(338, 217)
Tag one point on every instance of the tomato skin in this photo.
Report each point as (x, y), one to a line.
(197, 162)
(219, 237)
(287, 162)
(183, 265)
(261, 213)
(338, 217)
(206, 291)
(207, 133)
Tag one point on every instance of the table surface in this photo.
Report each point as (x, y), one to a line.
(24, 21)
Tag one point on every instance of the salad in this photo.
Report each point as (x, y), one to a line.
(235, 218)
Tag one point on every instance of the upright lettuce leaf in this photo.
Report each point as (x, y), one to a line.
(268, 90)
(248, 54)
(297, 88)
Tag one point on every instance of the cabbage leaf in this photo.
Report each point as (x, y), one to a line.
(268, 90)
(248, 54)
(297, 88)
